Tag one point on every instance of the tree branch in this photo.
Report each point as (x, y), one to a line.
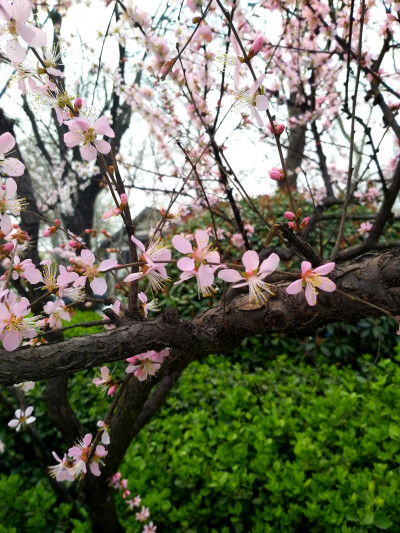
(373, 278)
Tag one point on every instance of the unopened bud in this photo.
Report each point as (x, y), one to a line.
(256, 46)
(289, 215)
(304, 223)
(276, 174)
(78, 103)
(279, 128)
(166, 66)
(74, 244)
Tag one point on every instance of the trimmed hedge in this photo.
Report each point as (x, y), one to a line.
(287, 448)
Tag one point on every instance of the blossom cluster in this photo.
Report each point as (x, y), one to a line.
(74, 464)
(120, 484)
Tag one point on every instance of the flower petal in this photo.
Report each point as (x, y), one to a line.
(270, 264)
(295, 287)
(324, 269)
(326, 284)
(250, 260)
(87, 256)
(305, 266)
(7, 142)
(103, 146)
(311, 294)
(88, 152)
(230, 275)
(186, 264)
(107, 264)
(182, 245)
(262, 102)
(99, 285)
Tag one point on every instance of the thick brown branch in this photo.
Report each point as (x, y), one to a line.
(373, 278)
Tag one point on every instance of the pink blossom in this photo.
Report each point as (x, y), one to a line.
(135, 502)
(84, 130)
(196, 262)
(105, 436)
(115, 211)
(16, 321)
(253, 101)
(92, 272)
(9, 202)
(143, 514)
(276, 174)
(106, 381)
(57, 311)
(81, 452)
(16, 15)
(146, 364)
(25, 270)
(313, 279)
(22, 418)
(365, 228)
(146, 305)
(253, 275)
(237, 240)
(203, 33)
(10, 166)
(149, 528)
(62, 471)
(155, 258)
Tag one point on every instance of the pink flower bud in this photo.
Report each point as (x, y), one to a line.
(304, 223)
(78, 103)
(112, 390)
(124, 200)
(276, 174)
(289, 215)
(166, 67)
(74, 244)
(279, 128)
(292, 225)
(50, 231)
(7, 247)
(256, 46)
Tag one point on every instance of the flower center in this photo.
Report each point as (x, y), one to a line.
(12, 27)
(90, 136)
(15, 323)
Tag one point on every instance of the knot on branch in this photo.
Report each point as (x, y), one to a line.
(171, 316)
(114, 318)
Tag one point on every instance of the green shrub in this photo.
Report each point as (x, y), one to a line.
(288, 448)
(33, 509)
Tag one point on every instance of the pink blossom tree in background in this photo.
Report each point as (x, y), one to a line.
(201, 107)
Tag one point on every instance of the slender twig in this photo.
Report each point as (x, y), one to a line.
(352, 134)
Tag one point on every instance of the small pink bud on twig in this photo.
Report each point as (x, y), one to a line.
(289, 215)
(276, 174)
(304, 223)
(256, 46)
(279, 128)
